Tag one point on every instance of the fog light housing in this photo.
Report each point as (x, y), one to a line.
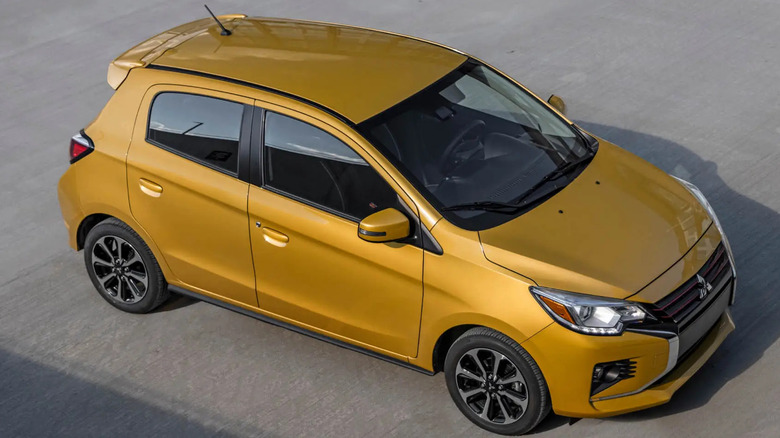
(606, 374)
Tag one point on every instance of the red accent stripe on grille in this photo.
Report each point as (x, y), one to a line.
(678, 297)
(717, 274)
(684, 305)
(684, 301)
(714, 261)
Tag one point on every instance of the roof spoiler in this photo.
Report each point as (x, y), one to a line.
(146, 52)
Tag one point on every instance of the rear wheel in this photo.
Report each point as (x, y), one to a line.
(495, 382)
(122, 268)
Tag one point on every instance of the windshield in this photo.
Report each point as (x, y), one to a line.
(474, 140)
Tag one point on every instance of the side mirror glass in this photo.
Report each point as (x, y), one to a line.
(557, 103)
(384, 226)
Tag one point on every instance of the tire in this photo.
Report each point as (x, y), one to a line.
(123, 269)
(518, 394)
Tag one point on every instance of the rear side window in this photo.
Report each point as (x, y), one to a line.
(308, 163)
(204, 129)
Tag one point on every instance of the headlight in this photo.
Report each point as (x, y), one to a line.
(704, 203)
(588, 314)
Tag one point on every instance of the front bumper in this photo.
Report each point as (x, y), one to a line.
(662, 391)
(663, 364)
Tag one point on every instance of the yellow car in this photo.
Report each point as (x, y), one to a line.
(403, 199)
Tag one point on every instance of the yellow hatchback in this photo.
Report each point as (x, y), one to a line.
(403, 199)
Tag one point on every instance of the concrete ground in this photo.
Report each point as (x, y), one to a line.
(691, 86)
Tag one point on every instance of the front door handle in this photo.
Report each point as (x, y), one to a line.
(275, 238)
(150, 188)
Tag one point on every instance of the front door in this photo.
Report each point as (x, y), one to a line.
(312, 268)
(184, 187)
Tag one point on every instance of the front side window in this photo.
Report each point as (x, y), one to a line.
(480, 148)
(201, 128)
(316, 167)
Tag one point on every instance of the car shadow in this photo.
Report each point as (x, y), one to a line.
(175, 302)
(552, 422)
(753, 230)
(39, 400)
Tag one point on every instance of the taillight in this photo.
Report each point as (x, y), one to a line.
(80, 146)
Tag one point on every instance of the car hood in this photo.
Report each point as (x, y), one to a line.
(620, 224)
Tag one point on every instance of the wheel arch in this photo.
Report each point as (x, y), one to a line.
(87, 224)
(433, 349)
(91, 220)
(445, 341)
(449, 336)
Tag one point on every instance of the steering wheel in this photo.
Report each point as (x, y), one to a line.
(471, 133)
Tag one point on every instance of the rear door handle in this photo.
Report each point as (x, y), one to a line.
(275, 238)
(150, 188)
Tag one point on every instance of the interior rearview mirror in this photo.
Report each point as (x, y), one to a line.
(384, 226)
(557, 103)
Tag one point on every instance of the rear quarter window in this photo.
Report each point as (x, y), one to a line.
(204, 129)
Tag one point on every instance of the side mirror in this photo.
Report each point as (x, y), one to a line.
(384, 226)
(557, 103)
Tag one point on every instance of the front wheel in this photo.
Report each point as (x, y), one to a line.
(495, 383)
(123, 268)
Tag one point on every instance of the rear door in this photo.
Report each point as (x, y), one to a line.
(185, 166)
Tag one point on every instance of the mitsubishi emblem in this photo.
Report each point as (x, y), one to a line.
(704, 287)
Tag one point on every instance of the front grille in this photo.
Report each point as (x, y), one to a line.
(681, 303)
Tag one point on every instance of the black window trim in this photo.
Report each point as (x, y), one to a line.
(311, 203)
(258, 165)
(244, 137)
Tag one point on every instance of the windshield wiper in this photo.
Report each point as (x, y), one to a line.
(496, 207)
(584, 138)
(522, 201)
(555, 174)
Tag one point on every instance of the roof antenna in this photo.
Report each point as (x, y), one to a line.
(224, 32)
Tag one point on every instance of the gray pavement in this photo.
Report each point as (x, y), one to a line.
(691, 86)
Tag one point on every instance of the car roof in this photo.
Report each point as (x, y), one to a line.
(355, 72)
